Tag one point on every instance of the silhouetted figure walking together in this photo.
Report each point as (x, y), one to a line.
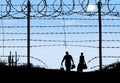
(82, 64)
(68, 61)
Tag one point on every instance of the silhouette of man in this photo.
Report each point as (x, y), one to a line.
(81, 63)
(68, 61)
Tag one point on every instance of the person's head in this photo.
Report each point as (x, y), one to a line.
(67, 53)
(81, 53)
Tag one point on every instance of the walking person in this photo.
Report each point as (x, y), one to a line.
(68, 61)
(82, 64)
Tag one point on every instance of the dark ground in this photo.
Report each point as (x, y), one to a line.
(22, 74)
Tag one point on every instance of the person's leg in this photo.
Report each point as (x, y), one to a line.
(80, 70)
(68, 68)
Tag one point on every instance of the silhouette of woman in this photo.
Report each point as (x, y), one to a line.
(81, 63)
(68, 61)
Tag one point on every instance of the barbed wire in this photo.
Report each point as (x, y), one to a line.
(47, 11)
(103, 57)
(53, 11)
(54, 45)
(57, 26)
(59, 40)
(22, 56)
(36, 33)
(56, 8)
(97, 66)
(57, 18)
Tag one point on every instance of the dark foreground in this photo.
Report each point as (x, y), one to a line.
(22, 74)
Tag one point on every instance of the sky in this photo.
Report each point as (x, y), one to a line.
(58, 26)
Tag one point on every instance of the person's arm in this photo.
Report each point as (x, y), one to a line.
(72, 59)
(83, 59)
(62, 60)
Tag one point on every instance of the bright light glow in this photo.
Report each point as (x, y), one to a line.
(91, 7)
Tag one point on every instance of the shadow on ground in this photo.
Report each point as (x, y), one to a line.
(55, 75)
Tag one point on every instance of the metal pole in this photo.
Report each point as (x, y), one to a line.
(100, 35)
(28, 33)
